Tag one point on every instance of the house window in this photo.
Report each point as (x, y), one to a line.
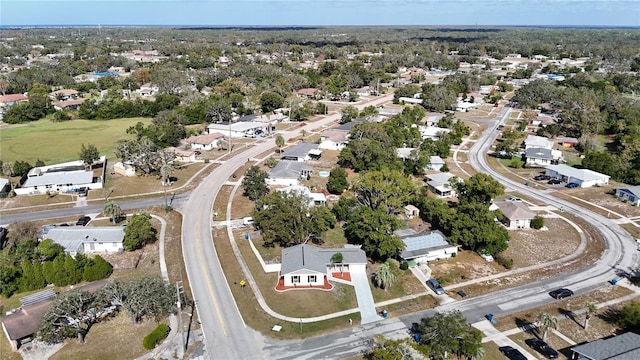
(313, 278)
(295, 279)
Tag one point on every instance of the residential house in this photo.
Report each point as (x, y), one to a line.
(516, 214)
(302, 152)
(288, 173)
(88, 239)
(630, 194)
(71, 104)
(333, 140)
(7, 101)
(21, 325)
(617, 347)
(238, 130)
(440, 184)
(64, 177)
(306, 266)
(583, 177)
(541, 156)
(147, 90)
(206, 141)
(435, 163)
(432, 132)
(315, 199)
(64, 94)
(406, 153)
(425, 247)
(309, 93)
(533, 141)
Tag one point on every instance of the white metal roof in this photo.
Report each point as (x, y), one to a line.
(60, 178)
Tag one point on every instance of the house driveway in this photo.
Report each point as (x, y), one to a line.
(366, 305)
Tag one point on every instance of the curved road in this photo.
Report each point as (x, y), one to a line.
(227, 337)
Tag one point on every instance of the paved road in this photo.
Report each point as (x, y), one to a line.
(226, 336)
(621, 253)
(90, 209)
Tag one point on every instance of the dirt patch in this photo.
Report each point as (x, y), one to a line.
(242, 206)
(529, 246)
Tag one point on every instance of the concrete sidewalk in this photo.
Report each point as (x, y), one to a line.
(500, 338)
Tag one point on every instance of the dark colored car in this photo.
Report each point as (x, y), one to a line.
(572, 185)
(554, 182)
(83, 191)
(500, 127)
(435, 286)
(84, 220)
(542, 177)
(512, 353)
(542, 347)
(561, 293)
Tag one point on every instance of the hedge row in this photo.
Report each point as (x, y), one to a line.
(156, 336)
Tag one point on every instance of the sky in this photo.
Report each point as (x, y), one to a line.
(321, 12)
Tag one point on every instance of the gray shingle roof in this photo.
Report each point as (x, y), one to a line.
(300, 150)
(307, 257)
(635, 190)
(538, 153)
(515, 210)
(621, 347)
(288, 170)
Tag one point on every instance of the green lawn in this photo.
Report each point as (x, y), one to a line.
(59, 142)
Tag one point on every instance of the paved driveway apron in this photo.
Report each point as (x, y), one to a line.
(366, 305)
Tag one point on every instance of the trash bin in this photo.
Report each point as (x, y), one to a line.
(462, 293)
(614, 281)
(384, 314)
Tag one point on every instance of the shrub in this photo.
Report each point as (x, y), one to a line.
(98, 268)
(404, 265)
(537, 222)
(156, 336)
(506, 263)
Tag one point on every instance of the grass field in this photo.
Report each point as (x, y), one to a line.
(59, 142)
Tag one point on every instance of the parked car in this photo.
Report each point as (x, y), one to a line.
(554, 182)
(83, 191)
(542, 177)
(83, 220)
(561, 293)
(512, 353)
(542, 347)
(572, 185)
(485, 255)
(435, 286)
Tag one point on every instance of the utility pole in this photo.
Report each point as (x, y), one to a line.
(179, 305)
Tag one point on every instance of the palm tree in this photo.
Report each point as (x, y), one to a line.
(279, 142)
(546, 321)
(112, 210)
(384, 277)
(590, 309)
